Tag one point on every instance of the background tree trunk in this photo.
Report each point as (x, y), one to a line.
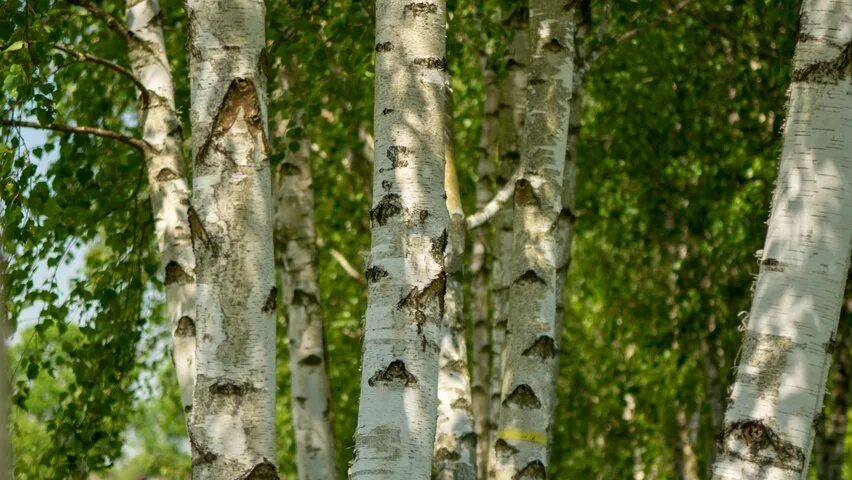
(529, 361)
(777, 397)
(834, 436)
(296, 252)
(167, 183)
(233, 414)
(406, 275)
(5, 384)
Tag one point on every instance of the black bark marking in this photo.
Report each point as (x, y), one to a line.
(197, 231)
(533, 471)
(438, 63)
(543, 348)
(827, 71)
(311, 360)
(386, 111)
(417, 299)
(241, 96)
(503, 449)
(389, 206)
(387, 185)
(375, 273)
(176, 274)
(418, 9)
(554, 45)
(229, 388)
(568, 214)
(262, 471)
(444, 454)
(537, 81)
(455, 366)
(524, 193)
(513, 64)
(439, 246)
(773, 264)
(166, 174)
(530, 276)
(271, 301)
(185, 327)
(513, 155)
(398, 155)
(289, 169)
(460, 403)
(394, 374)
(302, 401)
(384, 47)
(524, 397)
(759, 437)
(303, 297)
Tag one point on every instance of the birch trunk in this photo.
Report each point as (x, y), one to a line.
(479, 278)
(232, 425)
(5, 384)
(296, 250)
(511, 111)
(455, 440)
(167, 183)
(833, 441)
(406, 277)
(780, 380)
(528, 391)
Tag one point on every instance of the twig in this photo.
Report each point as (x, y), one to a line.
(136, 143)
(113, 23)
(107, 63)
(347, 267)
(493, 206)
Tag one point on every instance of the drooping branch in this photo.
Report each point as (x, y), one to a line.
(84, 56)
(113, 23)
(493, 206)
(136, 143)
(347, 266)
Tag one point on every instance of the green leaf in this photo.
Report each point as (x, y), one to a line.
(14, 46)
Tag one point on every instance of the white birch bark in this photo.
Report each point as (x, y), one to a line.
(511, 112)
(5, 385)
(166, 181)
(528, 393)
(296, 252)
(481, 257)
(455, 440)
(232, 425)
(780, 381)
(406, 276)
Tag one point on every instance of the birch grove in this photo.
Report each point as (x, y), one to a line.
(406, 276)
(790, 334)
(231, 431)
(528, 393)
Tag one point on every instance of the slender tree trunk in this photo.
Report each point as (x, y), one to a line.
(511, 111)
(685, 453)
(296, 247)
(780, 382)
(5, 385)
(232, 425)
(406, 275)
(167, 183)
(833, 441)
(455, 440)
(479, 277)
(529, 362)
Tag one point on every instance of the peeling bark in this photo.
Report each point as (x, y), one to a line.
(780, 381)
(454, 455)
(482, 240)
(405, 306)
(511, 110)
(296, 254)
(166, 182)
(529, 360)
(232, 424)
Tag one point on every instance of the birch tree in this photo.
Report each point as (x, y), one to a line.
(406, 273)
(232, 427)
(296, 254)
(528, 393)
(789, 337)
(455, 439)
(168, 188)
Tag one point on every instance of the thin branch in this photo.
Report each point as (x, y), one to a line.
(347, 267)
(602, 48)
(136, 143)
(113, 23)
(84, 56)
(493, 206)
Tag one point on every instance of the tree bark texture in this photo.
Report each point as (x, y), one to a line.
(406, 276)
(780, 380)
(232, 425)
(297, 256)
(166, 182)
(455, 439)
(528, 393)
